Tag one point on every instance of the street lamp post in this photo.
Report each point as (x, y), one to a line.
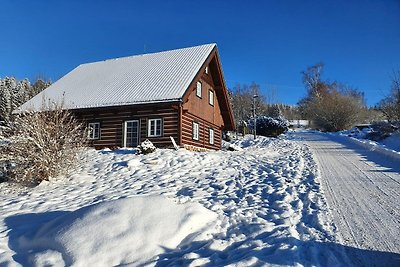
(254, 116)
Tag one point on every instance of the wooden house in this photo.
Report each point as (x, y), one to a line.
(179, 93)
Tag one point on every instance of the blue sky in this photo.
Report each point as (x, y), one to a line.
(268, 42)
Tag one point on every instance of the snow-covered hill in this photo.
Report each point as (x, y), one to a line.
(261, 205)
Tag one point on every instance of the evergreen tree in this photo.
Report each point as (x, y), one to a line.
(14, 93)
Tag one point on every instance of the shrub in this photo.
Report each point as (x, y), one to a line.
(146, 147)
(331, 106)
(270, 127)
(41, 145)
(382, 130)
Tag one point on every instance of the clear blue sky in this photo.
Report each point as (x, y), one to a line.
(268, 42)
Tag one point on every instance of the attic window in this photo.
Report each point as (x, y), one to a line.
(198, 89)
(211, 97)
(206, 70)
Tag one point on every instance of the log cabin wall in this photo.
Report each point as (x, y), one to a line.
(112, 120)
(198, 109)
(200, 106)
(204, 126)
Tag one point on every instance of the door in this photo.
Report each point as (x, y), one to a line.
(131, 133)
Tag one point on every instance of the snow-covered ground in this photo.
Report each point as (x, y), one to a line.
(389, 146)
(263, 205)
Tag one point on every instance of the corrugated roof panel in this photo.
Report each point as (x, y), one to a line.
(156, 77)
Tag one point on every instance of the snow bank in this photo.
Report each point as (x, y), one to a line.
(389, 147)
(248, 141)
(126, 231)
(393, 142)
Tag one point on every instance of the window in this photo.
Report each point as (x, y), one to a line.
(195, 133)
(198, 89)
(131, 133)
(154, 128)
(206, 71)
(211, 97)
(211, 136)
(94, 130)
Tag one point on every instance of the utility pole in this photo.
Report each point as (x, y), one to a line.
(254, 116)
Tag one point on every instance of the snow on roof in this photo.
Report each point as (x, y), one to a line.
(148, 78)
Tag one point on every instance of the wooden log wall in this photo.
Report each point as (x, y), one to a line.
(204, 126)
(112, 122)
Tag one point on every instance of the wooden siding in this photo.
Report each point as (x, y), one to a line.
(201, 107)
(112, 120)
(222, 112)
(204, 126)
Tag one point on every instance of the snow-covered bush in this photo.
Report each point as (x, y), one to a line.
(41, 145)
(382, 130)
(146, 147)
(268, 126)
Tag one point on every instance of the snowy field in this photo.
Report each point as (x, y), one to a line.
(263, 205)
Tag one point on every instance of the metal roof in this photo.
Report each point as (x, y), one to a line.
(147, 78)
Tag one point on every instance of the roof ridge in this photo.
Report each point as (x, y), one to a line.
(147, 54)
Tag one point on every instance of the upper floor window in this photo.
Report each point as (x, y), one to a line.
(206, 70)
(94, 130)
(195, 131)
(154, 127)
(211, 97)
(198, 89)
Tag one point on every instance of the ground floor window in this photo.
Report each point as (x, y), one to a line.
(94, 130)
(211, 136)
(195, 131)
(154, 128)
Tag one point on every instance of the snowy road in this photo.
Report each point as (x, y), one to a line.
(362, 189)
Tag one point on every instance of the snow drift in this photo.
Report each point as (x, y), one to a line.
(125, 231)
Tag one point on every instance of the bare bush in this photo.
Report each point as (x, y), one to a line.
(42, 144)
(331, 106)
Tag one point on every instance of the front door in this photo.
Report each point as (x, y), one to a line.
(131, 133)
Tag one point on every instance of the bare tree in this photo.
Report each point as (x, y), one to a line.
(242, 102)
(390, 105)
(331, 106)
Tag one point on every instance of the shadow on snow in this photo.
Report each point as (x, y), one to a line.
(263, 248)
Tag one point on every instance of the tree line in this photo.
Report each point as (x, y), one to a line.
(13, 93)
(242, 98)
(330, 106)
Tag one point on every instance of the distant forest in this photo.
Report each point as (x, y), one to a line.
(13, 93)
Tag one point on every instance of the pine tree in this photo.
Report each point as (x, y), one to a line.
(14, 93)
(5, 100)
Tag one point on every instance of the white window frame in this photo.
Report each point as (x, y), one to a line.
(211, 136)
(206, 70)
(195, 131)
(92, 126)
(211, 97)
(152, 127)
(125, 130)
(198, 89)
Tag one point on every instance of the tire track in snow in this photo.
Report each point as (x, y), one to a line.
(363, 197)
